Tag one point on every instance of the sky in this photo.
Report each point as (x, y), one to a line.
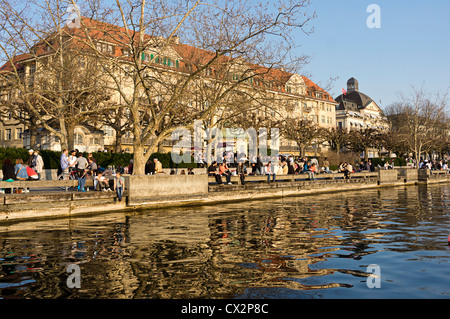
(411, 49)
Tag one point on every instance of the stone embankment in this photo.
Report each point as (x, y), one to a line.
(53, 198)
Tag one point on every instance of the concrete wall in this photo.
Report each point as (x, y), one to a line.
(148, 188)
(386, 176)
(423, 175)
(408, 174)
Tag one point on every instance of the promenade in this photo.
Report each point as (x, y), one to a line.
(53, 198)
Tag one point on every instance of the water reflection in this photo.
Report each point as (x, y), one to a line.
(306, 247)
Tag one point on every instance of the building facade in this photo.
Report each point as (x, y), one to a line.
(292, 95)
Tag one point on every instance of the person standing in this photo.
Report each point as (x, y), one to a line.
(38, 163)
(72, 160)
(158, 166)
(119, 185)
(150, 168)
(81, 167)
(64, 160)
(30, 161)
(242, 171)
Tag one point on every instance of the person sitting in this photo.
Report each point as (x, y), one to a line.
(212, 171)
(269, 171)
(101, 182)
(20, 170)
(312, 171)
(348, 168)
(8, 174)
(224, 171)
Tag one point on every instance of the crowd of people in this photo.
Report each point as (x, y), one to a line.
(239, 164)
(282, 165)
(87, 168)
(32, 169)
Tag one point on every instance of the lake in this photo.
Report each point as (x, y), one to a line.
(380, 243)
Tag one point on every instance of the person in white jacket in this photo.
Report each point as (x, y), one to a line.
(38, 164)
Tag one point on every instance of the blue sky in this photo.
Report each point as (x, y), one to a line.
(411, 49)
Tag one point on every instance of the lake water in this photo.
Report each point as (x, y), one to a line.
(305, 247)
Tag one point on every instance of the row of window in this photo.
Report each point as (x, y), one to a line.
(12, 134)
(160, 60)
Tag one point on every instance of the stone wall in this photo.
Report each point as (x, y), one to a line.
(153, 188)
(408, 174)
(387, 176)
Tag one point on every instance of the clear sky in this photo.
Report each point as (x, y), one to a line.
(412, 47)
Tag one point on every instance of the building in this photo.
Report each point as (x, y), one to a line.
(289, 94)
(86, 139)
(357, 110)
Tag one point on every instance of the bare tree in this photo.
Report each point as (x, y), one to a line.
(336, 138)
(53, 80)
(418, 116)
(305, 133)
(360, 141)
(227, 47)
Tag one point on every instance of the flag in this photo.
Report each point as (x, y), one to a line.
(344, 91)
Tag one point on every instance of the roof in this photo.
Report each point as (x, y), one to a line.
(118, 36)
(355, 100)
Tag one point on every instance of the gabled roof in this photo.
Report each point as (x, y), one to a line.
(118, 36)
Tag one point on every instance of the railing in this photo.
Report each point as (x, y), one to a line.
(44, 185)
(294, 177)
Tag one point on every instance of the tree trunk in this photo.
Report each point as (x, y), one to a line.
(118, 146)
(338, 152)
(302, 151)
(138, 159)
(70, 137)
(33, 137)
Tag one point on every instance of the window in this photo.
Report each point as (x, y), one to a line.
(8, 134)
(109, 131)
(106, 48)
(79, 139)
(322, 118)
(19, 132)
(95, 141)
(340, 125)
